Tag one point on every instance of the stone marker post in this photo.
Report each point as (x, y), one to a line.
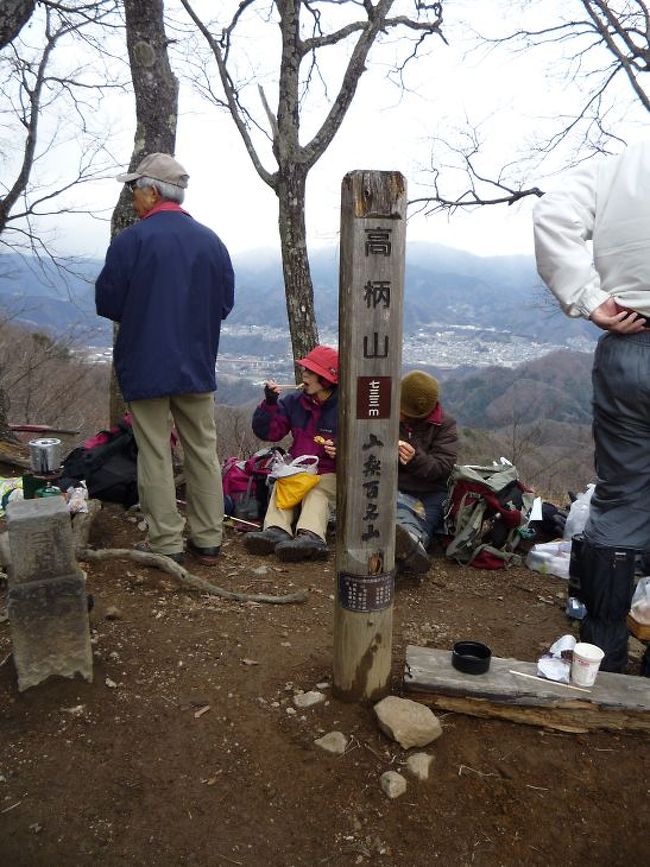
(373, 234)
(46, 601)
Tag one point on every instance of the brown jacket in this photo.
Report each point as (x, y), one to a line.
(435, 440)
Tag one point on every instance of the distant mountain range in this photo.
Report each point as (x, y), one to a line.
(446, 290)
(443, 286)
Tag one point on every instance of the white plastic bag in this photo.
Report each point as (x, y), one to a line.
(640, 609)
(578, 513)
(555, 664)
(284, 466)
(549, 558)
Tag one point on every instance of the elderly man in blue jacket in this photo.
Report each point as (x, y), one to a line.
(168, 282)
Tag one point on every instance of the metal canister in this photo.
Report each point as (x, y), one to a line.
(45, 455)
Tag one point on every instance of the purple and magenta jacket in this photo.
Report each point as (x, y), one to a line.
(304, 418)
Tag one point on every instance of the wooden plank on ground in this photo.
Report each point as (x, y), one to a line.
(616, 702)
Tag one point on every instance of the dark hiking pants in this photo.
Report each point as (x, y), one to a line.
(619, 518)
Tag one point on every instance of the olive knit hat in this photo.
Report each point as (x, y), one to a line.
(419, 395)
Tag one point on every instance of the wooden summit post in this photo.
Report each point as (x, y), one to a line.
(373, 232)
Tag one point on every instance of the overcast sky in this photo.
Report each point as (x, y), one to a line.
(508, 94)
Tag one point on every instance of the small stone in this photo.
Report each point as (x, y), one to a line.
(333, 742)
(77, 710)
(110, 683)
(199, 713)
(324, 684)
(261, 570)
(113, 613)
(291, 711)
(393, 784)
(142, 525)
(418, 765)
(308, 699)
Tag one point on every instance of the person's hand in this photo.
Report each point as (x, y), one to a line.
(610, 316)
(405, 451)
(329, 447)
(271, 391)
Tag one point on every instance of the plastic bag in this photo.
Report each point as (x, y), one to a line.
(555, 664)
(77, 498)
(10, 489)
(640, 609)
(284, 465)
(291, 490)
(549, 558)
(578, 513)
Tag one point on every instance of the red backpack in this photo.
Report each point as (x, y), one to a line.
(245, 484)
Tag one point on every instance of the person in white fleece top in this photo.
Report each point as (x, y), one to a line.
(607, 203)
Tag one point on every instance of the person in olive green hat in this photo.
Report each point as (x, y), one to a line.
(428, 450)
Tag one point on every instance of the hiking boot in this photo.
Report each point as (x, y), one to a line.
(145, 548)
(207, 556)
(410, 554)
(306, 546)
(265, 541)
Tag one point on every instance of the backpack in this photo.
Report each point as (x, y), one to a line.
(108, 463)
(485, 510)
(245, 484)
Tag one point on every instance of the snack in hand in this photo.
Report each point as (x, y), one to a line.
(320, 440)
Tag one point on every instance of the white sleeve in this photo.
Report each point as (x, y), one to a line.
(563, 223)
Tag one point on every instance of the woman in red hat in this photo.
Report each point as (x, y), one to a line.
(310, 416)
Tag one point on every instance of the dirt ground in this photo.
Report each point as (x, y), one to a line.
(132, 769)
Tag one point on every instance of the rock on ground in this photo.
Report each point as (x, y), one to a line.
(393, 784)
(333, 742)
(409, 723)
(418, 765)
(307, 699)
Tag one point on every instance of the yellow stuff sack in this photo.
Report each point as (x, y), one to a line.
(291, 490)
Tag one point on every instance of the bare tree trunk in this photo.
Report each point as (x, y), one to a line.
(156, 107)
(14, 14)
(295, 262)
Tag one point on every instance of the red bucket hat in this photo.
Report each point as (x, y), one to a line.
(324, 362)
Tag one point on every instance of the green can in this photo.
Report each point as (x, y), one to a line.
(49, 491)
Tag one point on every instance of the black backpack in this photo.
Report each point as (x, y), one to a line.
(109, 467)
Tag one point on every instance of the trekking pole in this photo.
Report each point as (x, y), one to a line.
(241, 521)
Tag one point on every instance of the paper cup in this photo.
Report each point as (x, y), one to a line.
(585, 664)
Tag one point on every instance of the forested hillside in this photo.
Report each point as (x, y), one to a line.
(556, 387)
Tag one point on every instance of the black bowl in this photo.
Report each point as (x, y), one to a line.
(471, 657)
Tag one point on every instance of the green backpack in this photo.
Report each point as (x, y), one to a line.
(485, 511)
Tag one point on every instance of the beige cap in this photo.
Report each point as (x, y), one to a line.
(160, 167)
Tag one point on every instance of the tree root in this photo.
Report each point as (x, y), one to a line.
(185, 577)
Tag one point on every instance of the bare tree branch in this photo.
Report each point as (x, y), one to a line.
(607, 43)
(230, 89)
(307, 28)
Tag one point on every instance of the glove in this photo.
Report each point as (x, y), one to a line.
(270, 396)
